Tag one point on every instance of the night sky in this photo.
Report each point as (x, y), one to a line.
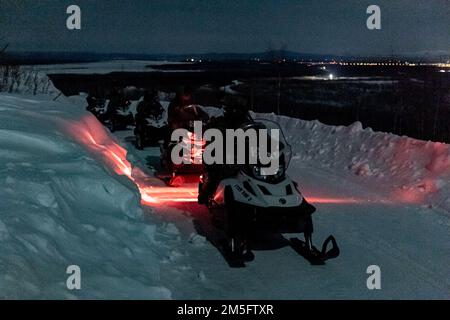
(199, 26)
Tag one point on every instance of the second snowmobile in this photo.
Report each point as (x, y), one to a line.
(151, 121)
(118, 115)
(151, 132)
(120, 119)
(248, 205)
(96, 106)
(176, 174)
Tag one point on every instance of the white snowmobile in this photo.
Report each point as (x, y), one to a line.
(248, 204)
(97, 106)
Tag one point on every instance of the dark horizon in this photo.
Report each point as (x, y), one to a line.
(217, 56)
(175, 27)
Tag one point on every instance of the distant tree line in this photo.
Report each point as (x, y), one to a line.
(419, 108)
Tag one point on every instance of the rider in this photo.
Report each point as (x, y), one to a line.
(178, 115)
(149, 107)
(181, 100)
(92, 102)
(95, 100)
(236, 114)
(117, 101)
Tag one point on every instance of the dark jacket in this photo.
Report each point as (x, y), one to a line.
(149, 109)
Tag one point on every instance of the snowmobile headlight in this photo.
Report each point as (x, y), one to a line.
(280, 173)
(256, 172)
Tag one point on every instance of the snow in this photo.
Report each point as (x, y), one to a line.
(69, 195)
(366, 196)
(59, 206)
(397, 169)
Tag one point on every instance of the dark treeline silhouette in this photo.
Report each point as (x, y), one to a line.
(419, 108)
(412, 101)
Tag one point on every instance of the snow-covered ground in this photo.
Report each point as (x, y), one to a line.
(60, 206)
(68, 196)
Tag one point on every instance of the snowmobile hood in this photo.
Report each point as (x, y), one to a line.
(248, 190)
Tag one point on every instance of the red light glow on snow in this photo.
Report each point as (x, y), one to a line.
(326, 200)
(418, 193)
(91, 134)
(159, 195)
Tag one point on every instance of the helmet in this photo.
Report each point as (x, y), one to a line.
(235, 110)
(150, 95)
(187, 91)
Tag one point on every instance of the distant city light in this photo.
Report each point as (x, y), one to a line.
(331, 76)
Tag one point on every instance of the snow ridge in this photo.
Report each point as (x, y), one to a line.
(405, 169)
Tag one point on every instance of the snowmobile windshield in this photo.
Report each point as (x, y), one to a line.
(284, 147)
(283, 155)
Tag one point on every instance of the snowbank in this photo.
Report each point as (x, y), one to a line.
(403, 169)
(59, 206)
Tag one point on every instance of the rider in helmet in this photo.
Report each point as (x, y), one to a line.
(236, 114)
(149, 107)
(181, 100)
(117, 102)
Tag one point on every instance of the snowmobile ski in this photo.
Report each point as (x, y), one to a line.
(312, 254)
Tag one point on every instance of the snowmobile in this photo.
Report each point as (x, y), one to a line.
(151, 131)
(177, 174)
(119, 119)
(249, 205)
(96, 106)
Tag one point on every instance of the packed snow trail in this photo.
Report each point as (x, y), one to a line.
(64, 203)
(410, 242)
